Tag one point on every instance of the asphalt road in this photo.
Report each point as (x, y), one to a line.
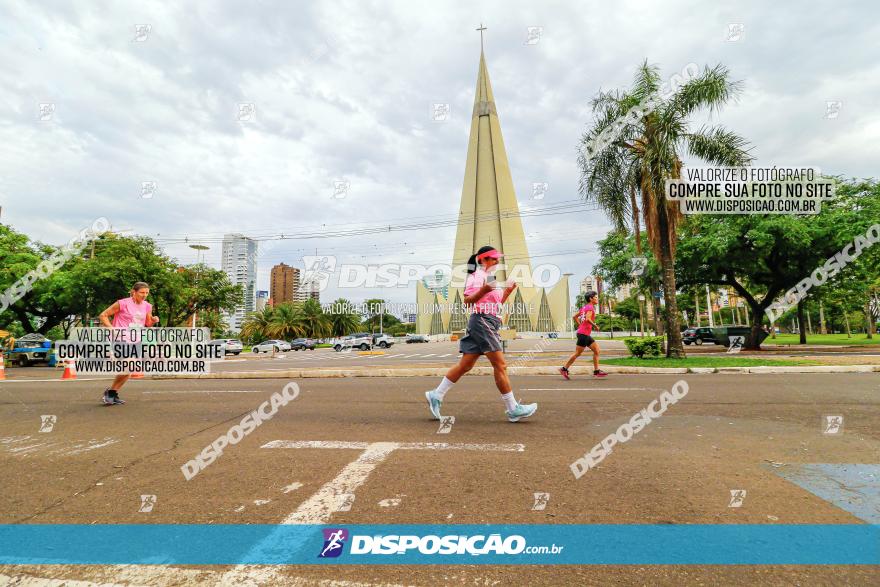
(730, 432)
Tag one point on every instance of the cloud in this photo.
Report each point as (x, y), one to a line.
(343, 90)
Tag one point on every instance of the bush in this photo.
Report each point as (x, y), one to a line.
(649, 346)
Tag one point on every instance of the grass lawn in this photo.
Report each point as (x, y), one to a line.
(839, 339)
(707, 362)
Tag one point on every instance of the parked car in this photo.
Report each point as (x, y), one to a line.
(552, 335)
(723, 334)
(360, 340)
(231, 346)
(30, 349)
(279, 346)
(302, 344)
(383, 341)
(698, 336)
(412, 338)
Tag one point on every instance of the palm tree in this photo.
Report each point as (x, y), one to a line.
(646, 152)
(343, 319)
(257, 325)
(214, 320)
(318, 324)
(288, 321)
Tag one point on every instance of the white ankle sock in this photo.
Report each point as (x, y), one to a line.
(509, 401)
(444, 386)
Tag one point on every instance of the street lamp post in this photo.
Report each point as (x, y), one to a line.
(641, 316)
(199, 259)
(568, 324)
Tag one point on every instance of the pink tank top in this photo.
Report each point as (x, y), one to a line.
(490, 302)
(130, 314)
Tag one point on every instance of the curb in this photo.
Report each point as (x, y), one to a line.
(487, 370)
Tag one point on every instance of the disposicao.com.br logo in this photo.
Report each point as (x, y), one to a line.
(431, 544)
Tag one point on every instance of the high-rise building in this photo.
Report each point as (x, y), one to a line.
(283, 284)
(489, 215)
(624, 291)
(591, 282)
(239, 262)
(262, 300)
(305, 291)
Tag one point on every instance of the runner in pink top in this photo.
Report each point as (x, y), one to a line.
(131, 312)
(585, 318)
(483, 294)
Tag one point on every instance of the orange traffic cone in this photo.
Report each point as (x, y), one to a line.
(69, 370)
(2, 367)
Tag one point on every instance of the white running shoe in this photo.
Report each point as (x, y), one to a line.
(521, 411)
(434, 403)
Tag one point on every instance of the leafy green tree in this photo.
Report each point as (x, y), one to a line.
(377, 316)
(646, 152)
(102, 273)
(615, 267)
(763, 256)
(629, 309)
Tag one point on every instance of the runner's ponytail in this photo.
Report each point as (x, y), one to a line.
(472, 264)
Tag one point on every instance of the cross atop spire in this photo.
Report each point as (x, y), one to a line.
(481, 29)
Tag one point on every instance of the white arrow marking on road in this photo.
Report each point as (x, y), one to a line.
(320, 507)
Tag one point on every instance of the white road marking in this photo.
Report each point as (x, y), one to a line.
(331, 497)
(338, 493)
(91, 445)
(429, 355)
(11, 444)
(446, 355)
(27, 449)
(13, 439)
(400, 445)
(318, 508)
(292, 487)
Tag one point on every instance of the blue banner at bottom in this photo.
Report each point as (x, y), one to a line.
(494, 544)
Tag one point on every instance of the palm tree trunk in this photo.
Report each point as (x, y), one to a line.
(637, 231)
(674, 344)
(801, 323)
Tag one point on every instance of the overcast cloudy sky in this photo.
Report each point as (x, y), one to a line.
(343, 91)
